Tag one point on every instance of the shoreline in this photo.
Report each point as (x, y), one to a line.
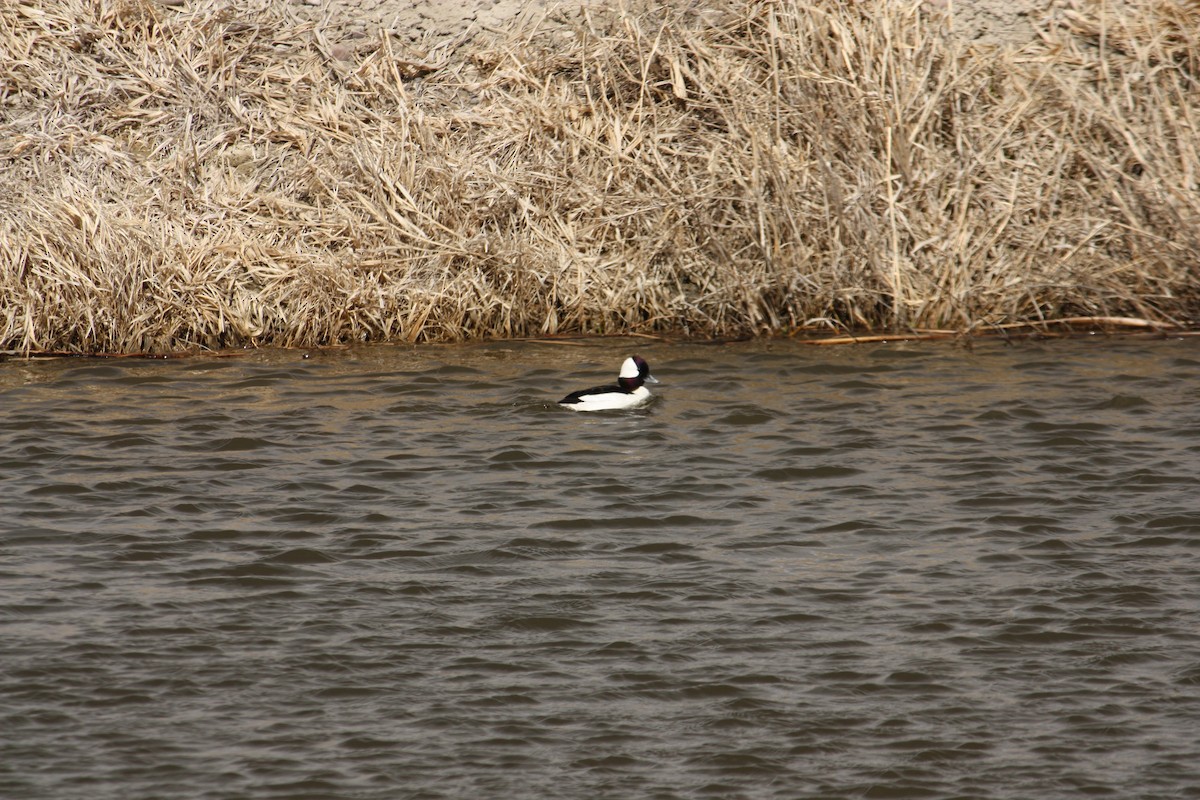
(185, 178)
(1065, 329)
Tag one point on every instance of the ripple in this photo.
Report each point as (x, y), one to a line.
(806, 473)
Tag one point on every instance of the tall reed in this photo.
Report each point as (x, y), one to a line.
(223, 176)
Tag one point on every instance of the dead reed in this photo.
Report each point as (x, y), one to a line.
(220, 175)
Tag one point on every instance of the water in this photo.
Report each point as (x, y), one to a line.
(893, 571)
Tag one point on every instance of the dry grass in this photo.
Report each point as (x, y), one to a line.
(217, 177)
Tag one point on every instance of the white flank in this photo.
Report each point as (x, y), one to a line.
(610, 401)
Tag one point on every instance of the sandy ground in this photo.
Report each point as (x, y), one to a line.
(985, 21)
(420, 19)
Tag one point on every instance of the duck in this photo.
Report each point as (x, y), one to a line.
(629, 391)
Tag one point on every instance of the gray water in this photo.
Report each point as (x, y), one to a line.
(888, 571)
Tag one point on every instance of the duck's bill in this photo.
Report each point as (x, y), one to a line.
(651, 379)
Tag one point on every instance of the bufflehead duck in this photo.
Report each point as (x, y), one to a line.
(628, 392)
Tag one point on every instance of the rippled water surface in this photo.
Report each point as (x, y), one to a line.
(888, 571)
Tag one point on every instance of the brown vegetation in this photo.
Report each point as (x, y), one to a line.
(222, 175)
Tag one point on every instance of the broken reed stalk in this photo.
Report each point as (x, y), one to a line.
(174, 179)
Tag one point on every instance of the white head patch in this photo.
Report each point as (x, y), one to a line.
(629, 369)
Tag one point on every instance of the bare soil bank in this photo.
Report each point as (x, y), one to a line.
(982, 21)
(217, 174)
